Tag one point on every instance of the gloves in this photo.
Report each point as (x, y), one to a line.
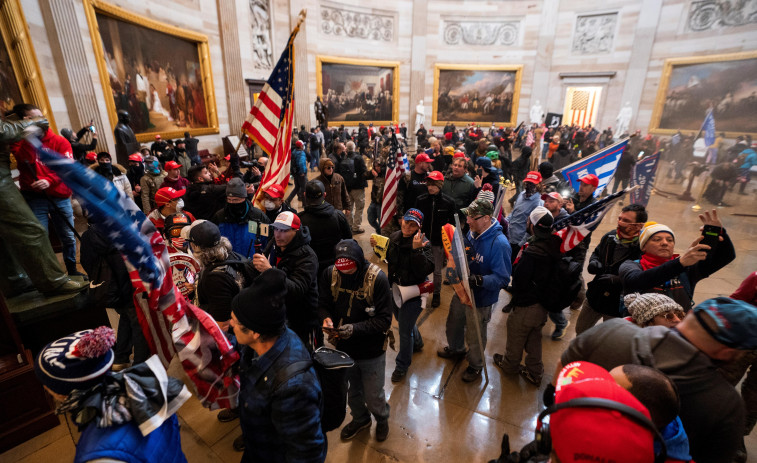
(549, 395)
(595, 267)
(345, 331)
(476, 280)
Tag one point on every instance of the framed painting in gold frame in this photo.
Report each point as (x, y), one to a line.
(20, 76)
(483, 94)
(358, 90)
(162, 78)
(691, 87)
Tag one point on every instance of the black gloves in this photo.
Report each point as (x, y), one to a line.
(345, 331)
(476, 280)
(548, 396)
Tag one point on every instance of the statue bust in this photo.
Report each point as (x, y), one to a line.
(420, 114)
(536, 113)
(126, 141)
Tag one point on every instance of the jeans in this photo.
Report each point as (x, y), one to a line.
(62, 217)
(524, 327)
(358, 204)
(623, 182)
(374, 214)
(406, 316)
(299, 188)
(438, 253)
(366, 389)
(130, 336)
(559, 319)
(461, 328)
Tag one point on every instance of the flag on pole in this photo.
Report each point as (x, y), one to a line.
(170, 324)
(394, 171)
(643, 176)
(708, 127)
(269, 123)
(602, 164)
(574, 228)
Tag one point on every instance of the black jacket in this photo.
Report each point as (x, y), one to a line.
(218, 284)
(204, 199)
(579, 252)
(103, 262)
(531, 274)
(411, 188)
(79, 150)
(369, 322)
(327, 227)
(438, 209)
(407, 266)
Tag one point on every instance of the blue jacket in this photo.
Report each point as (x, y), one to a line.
(299, 162)
(489, 256)
(676, 441)
(518, 218)
(282, 424)
(126, 443)
(750, 160)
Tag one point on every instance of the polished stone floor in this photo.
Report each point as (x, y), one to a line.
(435, 417)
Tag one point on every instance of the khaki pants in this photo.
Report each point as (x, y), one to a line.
(356, 214)
(524, 327)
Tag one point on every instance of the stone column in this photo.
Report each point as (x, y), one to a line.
(302, 96)
(641, 54)
(543, 62)
(65, 38)
(418, 69)
(232, 64)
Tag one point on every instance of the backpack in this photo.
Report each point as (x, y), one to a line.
(346, 168)
(566, 284)
(364, 293)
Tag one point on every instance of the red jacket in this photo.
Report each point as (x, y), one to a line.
(31, 169)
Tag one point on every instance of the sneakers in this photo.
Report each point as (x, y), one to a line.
(228, 414)
(354, 427)
(417, 347)
(69, 287)
(448, 353)
(529, 377)
(471, 374)
(436, 301)
(499, 360)
(239, 444)
(559, 333)
(397, 375)
(357, 231)
(382, 430)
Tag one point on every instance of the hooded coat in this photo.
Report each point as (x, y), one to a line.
(489, 256)
(237, 228)
(327, 227)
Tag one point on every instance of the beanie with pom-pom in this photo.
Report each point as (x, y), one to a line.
(644, 307)
(77, 361)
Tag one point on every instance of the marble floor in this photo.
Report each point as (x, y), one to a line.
(435, 417)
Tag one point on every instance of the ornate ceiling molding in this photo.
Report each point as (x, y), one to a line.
(720, 14)
(358, 23)
(594, 33)
(481, 33)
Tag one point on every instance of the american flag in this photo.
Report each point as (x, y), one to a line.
(574, 228)
(394, 171)
(269, 123)
(169, 322)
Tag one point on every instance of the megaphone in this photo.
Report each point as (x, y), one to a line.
(403, 294)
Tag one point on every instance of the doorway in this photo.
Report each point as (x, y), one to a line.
(581, 105)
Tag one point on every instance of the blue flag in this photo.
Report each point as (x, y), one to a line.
(643, 175)
(708, 127)
(602, 164)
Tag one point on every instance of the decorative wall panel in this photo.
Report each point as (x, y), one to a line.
(594, 33)
(720, 14)
(366, 24)
(480, 33)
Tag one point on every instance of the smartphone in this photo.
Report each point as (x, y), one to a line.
(711, 236)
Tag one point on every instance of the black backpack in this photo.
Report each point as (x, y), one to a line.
(346, 169)
(565, 284)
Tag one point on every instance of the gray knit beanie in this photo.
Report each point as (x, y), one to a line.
(644, 307)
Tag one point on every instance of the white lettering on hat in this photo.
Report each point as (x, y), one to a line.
(51, 356)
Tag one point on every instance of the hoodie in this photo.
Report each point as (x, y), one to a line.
(327, 227)
(489, 256)
(30, 169)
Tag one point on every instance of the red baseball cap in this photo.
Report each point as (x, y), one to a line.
(435, 175)
(459, 154)
(227, 157)
(274, 191)
(136, 157)
(590, 179)
(597, 434)
(298, 144)
(553, 195)
(287, 221)
(448, 136)
(423, 157)
(157, 137)
(91, 156)
(166, 195)
(533, 177)
(171, 165)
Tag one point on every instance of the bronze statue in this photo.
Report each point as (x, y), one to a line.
(126, 141)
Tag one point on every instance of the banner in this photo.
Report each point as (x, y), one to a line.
(553, 120)
(708, 127)
(602, 164)
(643, 176)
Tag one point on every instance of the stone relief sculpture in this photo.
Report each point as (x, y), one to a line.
(368, 25)
(480, 33)
(261, 34)
(717, 14)
(594, 33)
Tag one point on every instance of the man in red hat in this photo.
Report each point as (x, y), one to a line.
(173, 177)
(414, 184)
(525, 202)
(168, 201)
(587, 186)
(273, 202)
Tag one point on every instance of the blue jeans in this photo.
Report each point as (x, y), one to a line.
(41, 207)
(461, 328)
(409, 334)
(559, 319)
(374, 213)
(366, 389)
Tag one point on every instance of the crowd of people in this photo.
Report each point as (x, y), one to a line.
(663, 368)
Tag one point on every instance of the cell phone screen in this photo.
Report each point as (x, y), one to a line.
(711, 236)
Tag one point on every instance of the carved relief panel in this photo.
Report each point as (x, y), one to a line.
(719, 14)
(261, 34)
(480, 33)
(594, 33)
(358, 23)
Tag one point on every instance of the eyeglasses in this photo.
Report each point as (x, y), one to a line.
(479, 217)
(672, 316)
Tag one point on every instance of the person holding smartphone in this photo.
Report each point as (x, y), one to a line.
(661, 271)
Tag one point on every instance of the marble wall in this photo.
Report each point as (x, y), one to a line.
(619, 45)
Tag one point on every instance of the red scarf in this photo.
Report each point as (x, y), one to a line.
(648, 261)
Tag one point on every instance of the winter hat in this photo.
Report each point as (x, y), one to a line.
(486, 193)
(236, 189)
(77, 361)
(485, 163)
(644, 307)
(650, 229)
(729, 321)
(541, 217)
(261, 306)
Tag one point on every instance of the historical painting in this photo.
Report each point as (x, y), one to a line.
(478, 94)
(157, 73)
(10, 92)
(355, 91)
(723, 84)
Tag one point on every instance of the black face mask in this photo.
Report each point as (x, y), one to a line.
(137, 170)
(105, 168)
(237, 210)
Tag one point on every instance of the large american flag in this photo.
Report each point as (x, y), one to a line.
(574, 228)
(269, 123)
(394, 171)
(169, 322)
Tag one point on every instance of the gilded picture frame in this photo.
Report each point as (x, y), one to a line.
(172, 91)
(354, 91)
(21, 75)
(482, 94)
(691, 87)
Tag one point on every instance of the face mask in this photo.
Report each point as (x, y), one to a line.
(269, 205)
(155, 167)
(237, 210)
(180, 205)
(137, 169)
(179, 243)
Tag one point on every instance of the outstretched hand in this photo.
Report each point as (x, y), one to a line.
(695, 253)
(711, 218)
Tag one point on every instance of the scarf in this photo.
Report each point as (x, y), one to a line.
(648, 261)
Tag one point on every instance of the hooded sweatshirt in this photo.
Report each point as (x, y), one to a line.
(327, 227)
(489, 256)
